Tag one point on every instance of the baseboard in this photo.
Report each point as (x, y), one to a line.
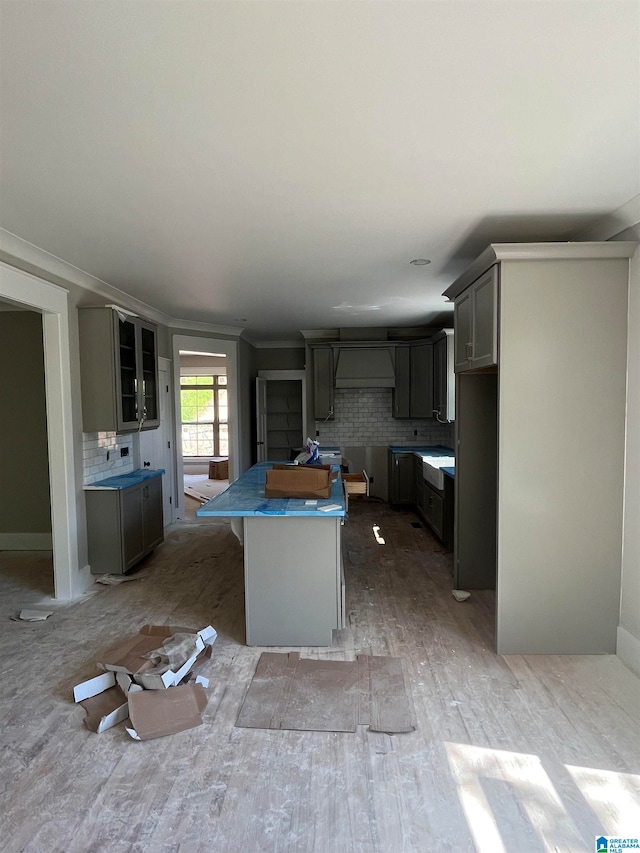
(26, 542)
(628, 650)
(84, 580)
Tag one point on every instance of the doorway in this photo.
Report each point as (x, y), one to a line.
(27, 291)
(204, 426)
(25, 506)
(210, 428)
(280, 414)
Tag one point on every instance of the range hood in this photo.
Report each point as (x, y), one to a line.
(365, 367)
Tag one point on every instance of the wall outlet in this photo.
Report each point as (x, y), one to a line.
(415, 432)
(317, 433)
(124, 451)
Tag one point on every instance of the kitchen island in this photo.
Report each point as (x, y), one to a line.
(294, 588)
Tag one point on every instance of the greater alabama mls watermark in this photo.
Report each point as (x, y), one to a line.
(611, 843)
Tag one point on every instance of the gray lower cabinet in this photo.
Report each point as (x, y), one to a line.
(433, 510)
(401, 477)
(435, 507)
(123, 525)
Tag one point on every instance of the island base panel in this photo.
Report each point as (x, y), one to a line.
(292, 580)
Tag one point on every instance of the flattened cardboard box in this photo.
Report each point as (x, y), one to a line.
(104, 699)
(298, 481)
(156, 713)
(128, 656)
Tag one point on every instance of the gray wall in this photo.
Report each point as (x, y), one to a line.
(24, 495)
(280, 358)
(561, 455)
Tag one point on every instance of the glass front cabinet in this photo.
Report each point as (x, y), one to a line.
(119, 371)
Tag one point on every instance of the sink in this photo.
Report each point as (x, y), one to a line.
(431, 466)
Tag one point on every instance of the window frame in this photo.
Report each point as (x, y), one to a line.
(216, 386)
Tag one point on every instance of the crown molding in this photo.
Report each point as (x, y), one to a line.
(279, 344)
(22, 254)
(320, 334)
(497, 252)
(614, 223)
(177, 325)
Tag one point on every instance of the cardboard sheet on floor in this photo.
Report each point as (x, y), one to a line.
(304, 694)
(157, 713)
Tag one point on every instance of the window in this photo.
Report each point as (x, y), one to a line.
(204, 413)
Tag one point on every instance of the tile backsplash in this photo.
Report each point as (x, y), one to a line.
(363, 418)
(95, 446)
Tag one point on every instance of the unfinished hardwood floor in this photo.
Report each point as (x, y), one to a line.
(516, 754)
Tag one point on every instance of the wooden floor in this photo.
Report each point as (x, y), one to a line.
(518, 754)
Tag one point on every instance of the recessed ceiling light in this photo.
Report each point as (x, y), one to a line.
(420, 262)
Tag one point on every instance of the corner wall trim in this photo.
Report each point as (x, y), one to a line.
(628, 649)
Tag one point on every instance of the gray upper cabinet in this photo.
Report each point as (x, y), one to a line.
(422, 380)
(119, 372)
(444, 396)
(402, 391)
(323, 383)
(413, 393)
(476, 324)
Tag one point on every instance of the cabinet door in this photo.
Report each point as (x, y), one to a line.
(418, 485)
(153, 531)
(323, 383)
(422, 381)
(131, 524)
(402, 391)
(127, 392)
(147, 352)
(434, 510)
(485, 320)
(440, 378)
(462, 321)
(401, 478)
(444, 379)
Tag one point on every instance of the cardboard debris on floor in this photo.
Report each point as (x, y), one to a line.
(156, 714)
(113, 580)
(152, 678)
(32, 615)
(304, 694)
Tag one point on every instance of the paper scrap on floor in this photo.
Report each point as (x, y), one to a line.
(27, 615)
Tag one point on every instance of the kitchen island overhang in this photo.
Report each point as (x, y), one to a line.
(294, 581)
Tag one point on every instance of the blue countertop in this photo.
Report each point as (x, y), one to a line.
(123, 481)
(245, 497)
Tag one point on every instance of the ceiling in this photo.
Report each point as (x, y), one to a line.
(276, 165)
